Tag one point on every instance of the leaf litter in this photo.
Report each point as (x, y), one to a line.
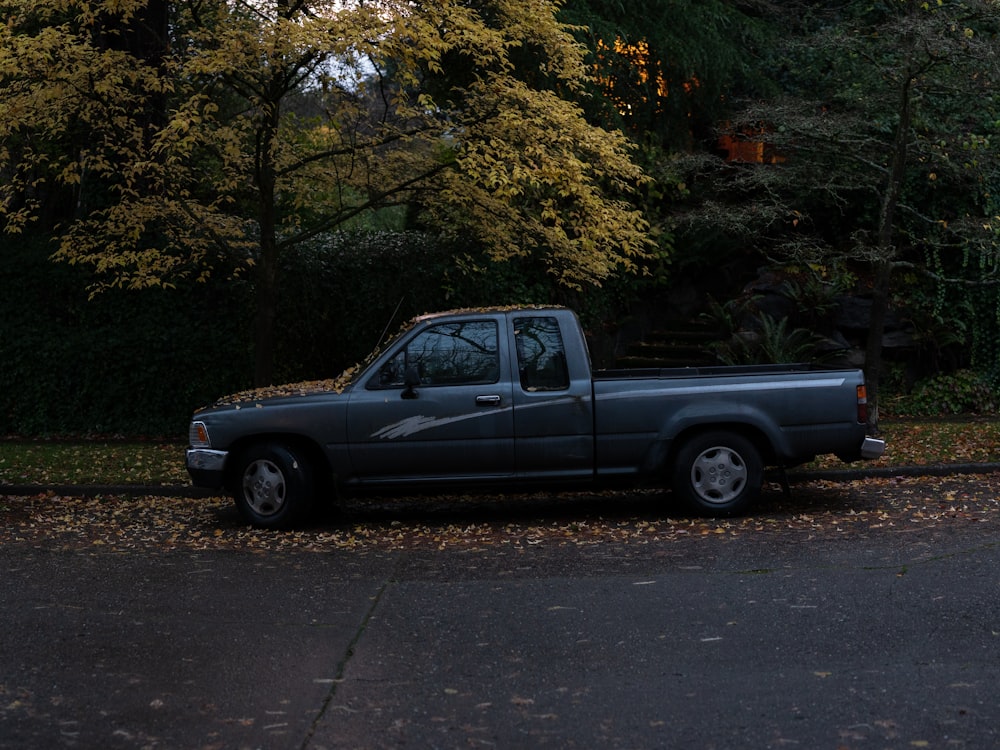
(815, 509)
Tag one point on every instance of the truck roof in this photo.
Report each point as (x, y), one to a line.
(485, 310)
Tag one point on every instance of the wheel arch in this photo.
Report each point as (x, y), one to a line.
(301, 445)
(755, 434)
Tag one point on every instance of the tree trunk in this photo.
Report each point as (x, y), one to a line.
(267, 263)
(267, 307)
(876, 330)
(886, 252)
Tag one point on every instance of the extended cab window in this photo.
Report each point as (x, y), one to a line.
(541, 356)
(463, 353)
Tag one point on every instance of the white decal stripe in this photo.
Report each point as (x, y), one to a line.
(419, 423)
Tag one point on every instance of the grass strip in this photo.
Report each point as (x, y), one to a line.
(89, 462)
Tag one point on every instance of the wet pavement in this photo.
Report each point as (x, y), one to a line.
(830, 636)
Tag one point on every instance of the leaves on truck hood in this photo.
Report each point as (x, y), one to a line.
(303, 388)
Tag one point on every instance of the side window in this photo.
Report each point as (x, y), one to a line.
(447, 354)
(541, 356)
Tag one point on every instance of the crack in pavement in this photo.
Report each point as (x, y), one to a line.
(338, 677)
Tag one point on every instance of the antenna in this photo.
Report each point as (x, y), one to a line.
(389, 323)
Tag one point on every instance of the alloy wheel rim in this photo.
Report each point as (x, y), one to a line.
(264, 487)
(719, 475)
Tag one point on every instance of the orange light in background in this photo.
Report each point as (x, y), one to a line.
(750, 146)
(636, 54)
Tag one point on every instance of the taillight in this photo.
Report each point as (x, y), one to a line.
(862, 404)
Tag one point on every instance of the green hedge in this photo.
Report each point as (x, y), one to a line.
(341, 295)
(123, 363)
(138, 363)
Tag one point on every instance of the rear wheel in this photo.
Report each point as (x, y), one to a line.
(274, 486)
(718, 474)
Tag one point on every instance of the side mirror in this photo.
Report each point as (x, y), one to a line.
(411, 380)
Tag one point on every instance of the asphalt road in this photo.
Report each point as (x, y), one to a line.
(884, 639)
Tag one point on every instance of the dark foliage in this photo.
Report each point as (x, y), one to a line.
(124, 362)
(138, 363)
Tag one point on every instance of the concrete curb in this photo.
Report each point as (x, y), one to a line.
(929, 470)
(793, 476)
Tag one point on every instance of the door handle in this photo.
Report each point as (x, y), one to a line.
(487, 400)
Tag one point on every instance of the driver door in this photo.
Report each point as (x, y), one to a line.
(438, 410)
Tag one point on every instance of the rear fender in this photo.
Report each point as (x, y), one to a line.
(745, 420)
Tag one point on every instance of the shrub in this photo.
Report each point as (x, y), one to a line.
(960, 392)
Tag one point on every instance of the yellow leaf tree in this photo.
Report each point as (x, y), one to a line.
(249, 128)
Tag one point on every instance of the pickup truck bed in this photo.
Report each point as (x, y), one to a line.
(505, 398)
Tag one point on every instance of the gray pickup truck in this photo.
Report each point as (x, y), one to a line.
(504, 398)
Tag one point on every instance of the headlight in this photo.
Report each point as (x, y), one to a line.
(198, 436)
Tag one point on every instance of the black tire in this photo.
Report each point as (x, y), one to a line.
(718, 474)
(273, 486)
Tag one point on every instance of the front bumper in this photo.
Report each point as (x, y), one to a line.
(872, 448)
(207, 467)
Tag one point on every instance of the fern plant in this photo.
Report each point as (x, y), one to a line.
(770, 341)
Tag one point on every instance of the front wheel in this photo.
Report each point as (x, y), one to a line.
(718, 474)
(274, 487)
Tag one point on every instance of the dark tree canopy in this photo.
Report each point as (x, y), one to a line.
(668, 67)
